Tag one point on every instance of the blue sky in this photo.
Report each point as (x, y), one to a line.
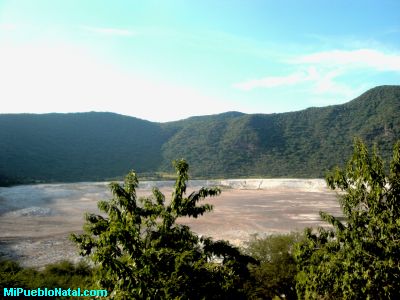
(168, 60)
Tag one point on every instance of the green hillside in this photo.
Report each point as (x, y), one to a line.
(96, 146)
(302, 144)
(76, 147)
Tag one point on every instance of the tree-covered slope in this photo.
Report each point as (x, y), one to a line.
(95, 146)
(304, 143)
(75, 147)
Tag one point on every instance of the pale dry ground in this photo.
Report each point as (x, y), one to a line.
(35, 221)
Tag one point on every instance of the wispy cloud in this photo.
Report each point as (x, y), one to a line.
(321, 74)
(360, 59)
(109, 31)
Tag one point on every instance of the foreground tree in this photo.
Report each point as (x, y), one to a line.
(274, 276)
(142, 253)
(358, 258)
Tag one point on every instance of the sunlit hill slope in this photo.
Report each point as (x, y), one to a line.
(97, 146)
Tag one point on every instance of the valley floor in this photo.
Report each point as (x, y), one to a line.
(36, 220)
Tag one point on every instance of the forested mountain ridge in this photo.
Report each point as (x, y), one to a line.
(97, 146)
(77, 146)
(302, 144)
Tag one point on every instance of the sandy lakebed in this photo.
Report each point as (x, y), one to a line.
(36, 220)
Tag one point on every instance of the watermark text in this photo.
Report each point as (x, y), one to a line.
(54, 292)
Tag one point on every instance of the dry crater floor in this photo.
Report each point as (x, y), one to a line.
(36, 220)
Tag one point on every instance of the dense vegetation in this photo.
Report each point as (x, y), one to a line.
(76, 147)
(358, 258)
(275, 274)
(7, 181)
(97, 146)
(63, 275)
(142, 253)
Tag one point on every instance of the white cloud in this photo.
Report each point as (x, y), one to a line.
(109, 31)
(360, 59)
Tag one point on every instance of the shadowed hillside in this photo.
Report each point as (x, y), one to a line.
(96, 146)
(76, 147)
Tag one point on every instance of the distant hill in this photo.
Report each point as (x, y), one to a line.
(97, 146)
(77, 147)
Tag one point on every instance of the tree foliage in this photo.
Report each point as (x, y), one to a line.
(274, 276)
(63, 275)
(142, 253)
(360, 257)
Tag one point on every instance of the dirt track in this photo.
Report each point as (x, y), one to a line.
(35, 221)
